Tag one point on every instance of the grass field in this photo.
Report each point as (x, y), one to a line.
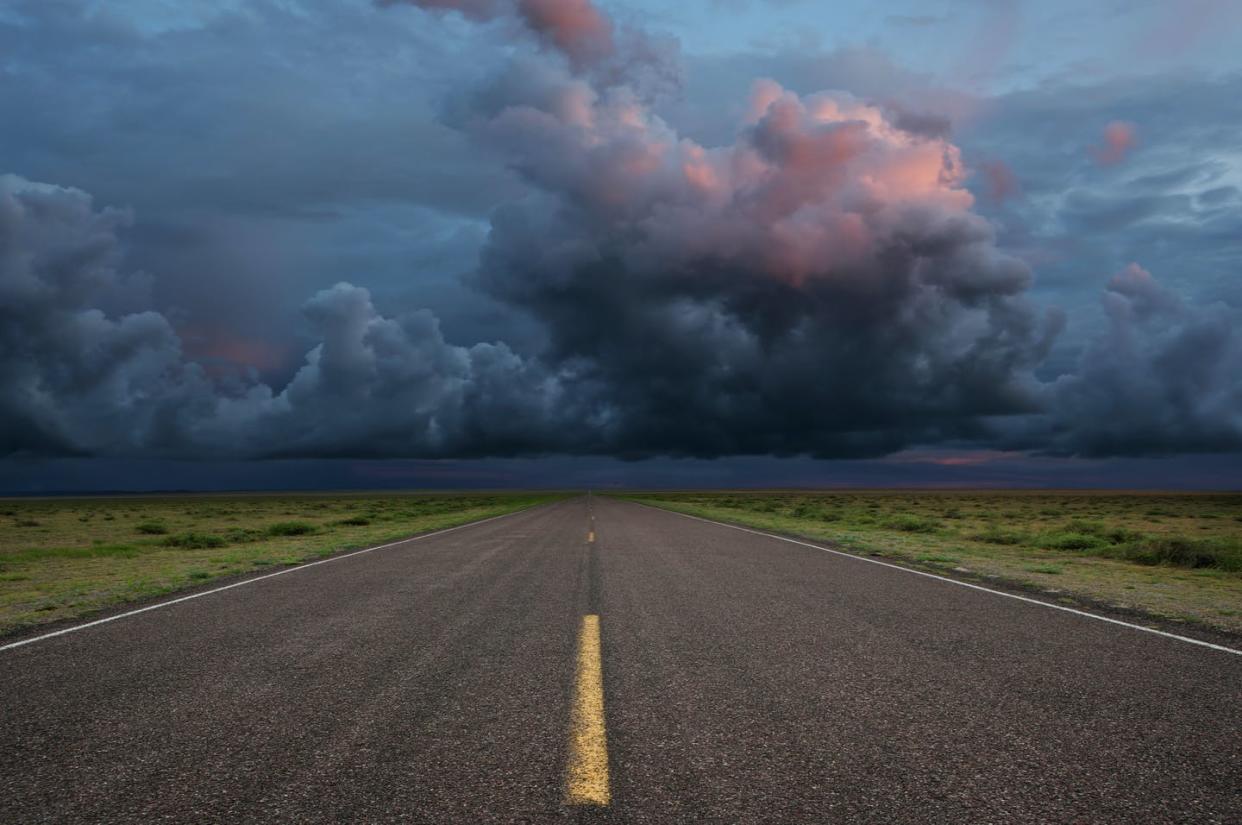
(67, 557)
(1173, 556)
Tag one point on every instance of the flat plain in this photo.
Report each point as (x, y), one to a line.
(64, 558)
(1170, 556)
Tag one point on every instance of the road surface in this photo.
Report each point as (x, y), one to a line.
(729, 677)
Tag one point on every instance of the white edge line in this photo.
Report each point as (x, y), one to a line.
(959, 583)
(294, 569)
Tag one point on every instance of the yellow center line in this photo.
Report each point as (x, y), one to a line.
(586, 781)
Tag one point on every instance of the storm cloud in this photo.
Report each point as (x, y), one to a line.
(74, 380)
(820, 283)
(1163, 377)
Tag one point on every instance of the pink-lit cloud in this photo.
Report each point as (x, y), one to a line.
(1116, 143)
(575, 28)
(781, 282)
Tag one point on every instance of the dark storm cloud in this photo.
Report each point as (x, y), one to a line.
(820, 285)
(71, 378)
(74, 380)
(817, 281)
(1163, 378)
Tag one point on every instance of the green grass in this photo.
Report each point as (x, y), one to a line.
(95, 551)
(291, 528)
(194, 541)
(1223, 554)
(1062, 540)
(1177, 556)
(912, 524)
(67, 557)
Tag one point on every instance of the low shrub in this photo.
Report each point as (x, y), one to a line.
(1072, 541)
(290, 528)
(912, 524)
(194, 541)
(1178, 551)
(1116, 535)
(805, 509)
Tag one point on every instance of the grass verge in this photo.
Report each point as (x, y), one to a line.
(66, 558)
(1174, 557)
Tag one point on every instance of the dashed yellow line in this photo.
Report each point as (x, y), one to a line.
(586, 781)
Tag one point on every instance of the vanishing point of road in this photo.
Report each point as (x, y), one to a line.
(596, 660)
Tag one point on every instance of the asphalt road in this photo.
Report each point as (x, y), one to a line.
(745, 679)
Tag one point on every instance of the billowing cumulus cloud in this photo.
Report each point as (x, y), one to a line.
(820, 283)
(75, 380)
(1162, 378)
(71, 378)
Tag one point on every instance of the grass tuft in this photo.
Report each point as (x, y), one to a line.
(912, 524)
(194, 541)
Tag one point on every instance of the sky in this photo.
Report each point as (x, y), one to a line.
(558, 243)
